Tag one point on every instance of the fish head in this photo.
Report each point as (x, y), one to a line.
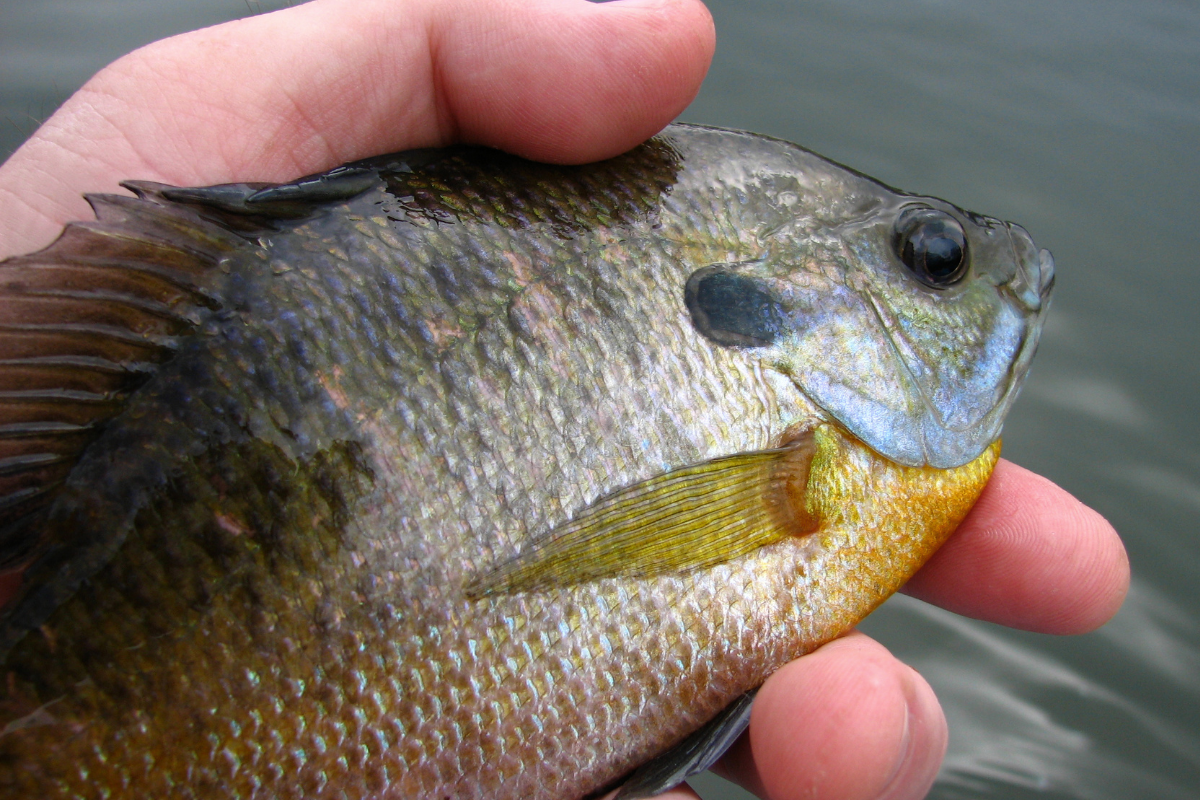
(908, 320)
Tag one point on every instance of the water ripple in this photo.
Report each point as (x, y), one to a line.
(1023, 721)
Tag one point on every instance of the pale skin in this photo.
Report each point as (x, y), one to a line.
(301, 90)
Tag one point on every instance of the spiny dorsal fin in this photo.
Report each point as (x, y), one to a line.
(83, 323)
(269, 201)
(686, 519)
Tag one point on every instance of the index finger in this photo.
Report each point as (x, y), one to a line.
(1030, 556)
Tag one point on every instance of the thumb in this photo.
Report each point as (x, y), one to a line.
(300, 90)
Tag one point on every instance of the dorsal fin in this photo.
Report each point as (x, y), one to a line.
(265, 202)
(83, 323)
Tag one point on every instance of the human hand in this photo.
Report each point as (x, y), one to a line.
(298, 91)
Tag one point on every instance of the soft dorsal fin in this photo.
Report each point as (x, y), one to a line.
(83, 323)
(685, 519)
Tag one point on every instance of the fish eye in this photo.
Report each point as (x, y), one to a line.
(932, 245)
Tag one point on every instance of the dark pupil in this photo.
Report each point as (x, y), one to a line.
(934, 251)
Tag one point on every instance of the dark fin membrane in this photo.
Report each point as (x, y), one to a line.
(693, 755)
(224, 204)
(83, 323)
(687, 519)
(263, 202)
(341, 183)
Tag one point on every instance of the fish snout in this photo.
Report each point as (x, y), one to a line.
(1033, 276)
(1046, 267)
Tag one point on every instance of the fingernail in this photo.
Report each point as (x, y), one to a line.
(922, 746)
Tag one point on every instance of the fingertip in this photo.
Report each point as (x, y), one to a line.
(849, 722)
(926, 736)
(1101, 571)
(1029, 556)
(583, 81)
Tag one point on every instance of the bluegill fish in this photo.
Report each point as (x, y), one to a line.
(450, 475)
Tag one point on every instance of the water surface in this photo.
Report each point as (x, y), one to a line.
(1082, 122)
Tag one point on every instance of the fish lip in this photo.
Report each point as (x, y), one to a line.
(1046, 266)
(1033, 278)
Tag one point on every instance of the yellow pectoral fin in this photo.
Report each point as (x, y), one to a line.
(686, 519)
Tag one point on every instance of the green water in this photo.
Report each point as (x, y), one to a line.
(1082, 122)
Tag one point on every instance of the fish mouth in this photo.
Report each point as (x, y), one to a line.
(1031, 288)
(1033, 278)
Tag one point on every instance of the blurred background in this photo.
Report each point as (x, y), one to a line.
(1079, 120)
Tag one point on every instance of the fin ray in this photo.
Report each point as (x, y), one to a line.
(685, 519)
(33, 342)
(83, 324)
